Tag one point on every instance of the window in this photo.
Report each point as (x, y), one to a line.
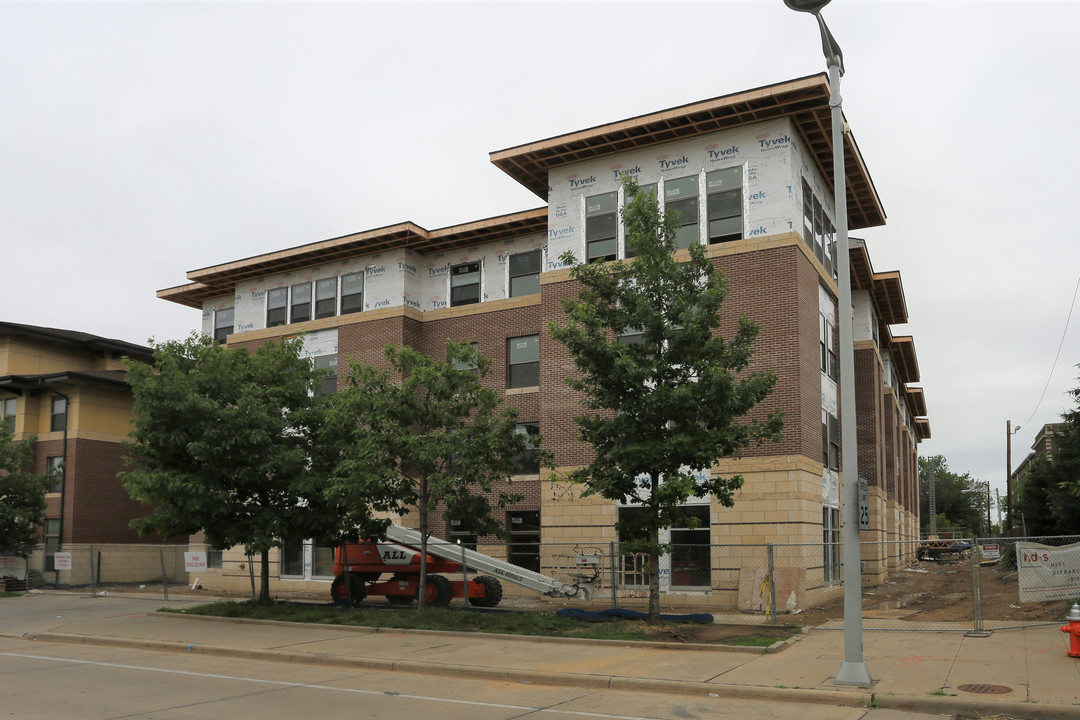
(277, 302)
(819, 234)
(527, 462)
(301, 302)
(292, 557)
(352, 293)
(642, 190)
(724, 201)
(681, 196)
(523, 361)
(52, 542)
(827, 341)
(471, 364)
(328, 383)
(601, 213)
(632, 337)
(465, 284)
(58, 421)
(7, 414)
(523, 528)
(830, 440)
(460, 535)
(690, 549)
(54, 468)
(525, 273)
(830, 543)
(223, 324)
(213, 558)
(326, 298)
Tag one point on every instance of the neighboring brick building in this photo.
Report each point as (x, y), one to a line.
(68, 389)
(749, 174)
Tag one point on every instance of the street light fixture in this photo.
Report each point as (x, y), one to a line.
(854, 670)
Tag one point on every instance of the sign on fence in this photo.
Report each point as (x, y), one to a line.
(194, 561)
(1047, 572)
(990, 552)
(62, 561)
(13, 567)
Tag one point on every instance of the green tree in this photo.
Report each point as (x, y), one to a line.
(667, 395)
(425, 435)
(22, 495)
(960, 500)
(221, 444)
(1048, 499)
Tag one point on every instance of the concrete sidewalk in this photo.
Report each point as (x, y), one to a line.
(1024, 673)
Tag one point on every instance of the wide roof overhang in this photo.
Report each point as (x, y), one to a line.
(804, 100)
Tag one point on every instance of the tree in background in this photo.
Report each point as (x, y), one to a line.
(22, 495)
(960, 499)
(1048, 499)
(438, 440)
(665, 392)
(221, 444)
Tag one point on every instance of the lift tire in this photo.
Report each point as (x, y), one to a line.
(337, 589)
(493, 592)
(444, 591)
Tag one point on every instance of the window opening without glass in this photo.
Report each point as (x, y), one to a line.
(601, 226)
(465, 284)
(523, 361)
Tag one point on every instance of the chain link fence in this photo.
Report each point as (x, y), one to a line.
(957, 584)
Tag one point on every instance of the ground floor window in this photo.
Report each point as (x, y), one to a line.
(523, 527)
(687, 566)
(830, 544)
(304, 560)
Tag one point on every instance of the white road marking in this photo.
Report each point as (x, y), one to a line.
(285, 683)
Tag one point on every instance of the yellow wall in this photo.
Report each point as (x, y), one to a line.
(19, 357)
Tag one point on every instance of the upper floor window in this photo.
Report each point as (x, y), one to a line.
(465, 284)
(58, 419)
(724, 202)
(523, 361)
(827, 341)
(223, 324)
(528, 462)
(470, 364)
(525, 273)
(818, 231)
(301, 302)
(643, 190)
(601, 226)
(7, 414)
(328, 383)
(681, 196)
(277, 306)
(352, 293)
(326, 298)
(54, 469)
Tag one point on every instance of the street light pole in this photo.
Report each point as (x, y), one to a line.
(1009, 432)
(853, 671)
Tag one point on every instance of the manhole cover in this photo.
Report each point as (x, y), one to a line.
(984, 689)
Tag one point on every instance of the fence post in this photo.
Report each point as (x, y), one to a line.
(251, 571)
(93, 585)
(614, 597)
(164, 579)
(464, 577)
(772, 583)
(978, 629)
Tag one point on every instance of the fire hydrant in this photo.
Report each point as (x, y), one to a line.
(1073, 628)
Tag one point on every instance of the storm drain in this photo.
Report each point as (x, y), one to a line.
(984, 689)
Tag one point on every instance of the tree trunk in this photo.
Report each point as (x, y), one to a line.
(654, 577)
(421, 592)
(264, 577)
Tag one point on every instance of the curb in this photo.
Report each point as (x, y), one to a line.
(854, 697)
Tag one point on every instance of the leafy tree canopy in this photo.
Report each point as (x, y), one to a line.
(1048, 497)
(22, 495)
(424, 435)
(667, 394)
(221, 444)
(960, 499)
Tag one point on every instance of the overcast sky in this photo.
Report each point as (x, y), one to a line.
(142, 140)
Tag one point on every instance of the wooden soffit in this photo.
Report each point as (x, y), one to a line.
(902, 351)
(916, 400)
(805, 101)
(218, 280)
(922, 428)
(885, 287)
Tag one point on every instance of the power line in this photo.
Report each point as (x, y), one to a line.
(1056, 357)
